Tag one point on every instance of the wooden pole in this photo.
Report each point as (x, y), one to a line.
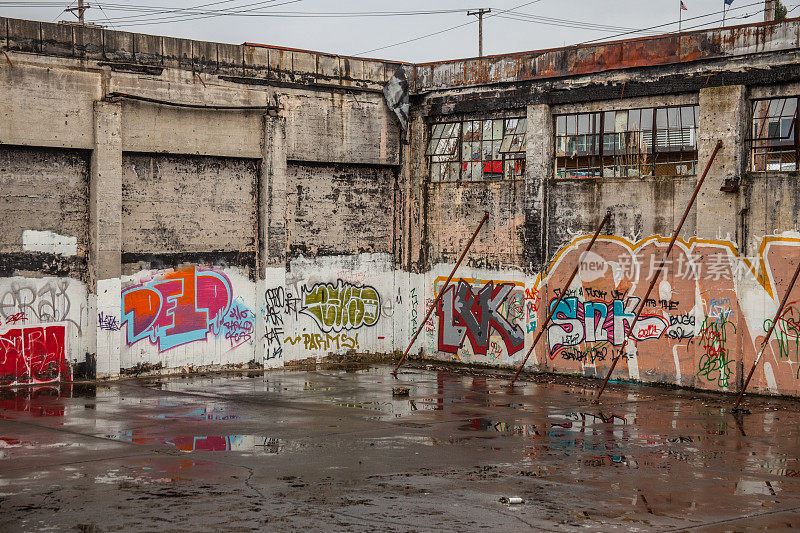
(658, 269)
(439, 296)
(766, 339)
(560, 297)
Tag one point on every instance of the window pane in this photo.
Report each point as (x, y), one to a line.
(437, 131)
(634, 116)
(609, 120)
(497, 129)
(487, 130)
(572, 124)
(583, 123)
(647, 119)
(687, 117)
(561, 125)
(661, 118)
(511, 125)
(522, 125)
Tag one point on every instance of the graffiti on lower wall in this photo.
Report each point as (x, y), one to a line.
(341, 306)
(706, 317)
(183, 306)
(488, 316)
(34, 354)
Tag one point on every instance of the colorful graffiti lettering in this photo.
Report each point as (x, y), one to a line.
(34, 354)
(787, 334)
(466, 313)
(714, 364)
(178, 307)
(575, 321)
(342, 306)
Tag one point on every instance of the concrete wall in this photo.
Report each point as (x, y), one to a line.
(194, 205)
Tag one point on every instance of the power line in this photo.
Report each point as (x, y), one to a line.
(436, 32)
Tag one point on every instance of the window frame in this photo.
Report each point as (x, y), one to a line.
(510, 167)
(754, 137)
(658, 141)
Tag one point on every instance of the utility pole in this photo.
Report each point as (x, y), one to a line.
(481, 12)
(80, 9)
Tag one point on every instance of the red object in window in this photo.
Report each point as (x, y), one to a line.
(492, 167)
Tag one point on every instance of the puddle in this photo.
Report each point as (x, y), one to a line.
(198, 415)
(207, 443)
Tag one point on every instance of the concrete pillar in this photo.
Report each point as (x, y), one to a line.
(413, 183)
(539, 165)
(272, 192)
(105, 239)
(723, 115)
(272, 233)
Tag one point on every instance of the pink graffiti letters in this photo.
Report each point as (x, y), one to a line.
(466, 313)
(179, 307)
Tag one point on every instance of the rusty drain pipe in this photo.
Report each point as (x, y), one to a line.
(441, 292)
(658, 269)
(552, 311)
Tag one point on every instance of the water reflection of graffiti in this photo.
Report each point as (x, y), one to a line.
(575, 322)
(33, 354)
(181, 307)
(342, 306)
(463, 312)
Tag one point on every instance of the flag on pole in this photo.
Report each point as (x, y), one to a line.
(684, 8)
(728, 2)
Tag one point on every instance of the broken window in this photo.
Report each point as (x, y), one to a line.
(477, 150)
(627, 143)
(775, 145)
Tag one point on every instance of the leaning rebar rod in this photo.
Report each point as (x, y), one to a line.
(766, 339)
(563, 293)
(441, 292)
(659, 268)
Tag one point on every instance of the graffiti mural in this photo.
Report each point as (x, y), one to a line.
(341, 306)
(575, 322)
(34, 354)
(466, 313)
(184, 306)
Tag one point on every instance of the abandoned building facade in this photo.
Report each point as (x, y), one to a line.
(177, 204)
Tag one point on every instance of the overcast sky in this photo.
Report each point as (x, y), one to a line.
(363, 35)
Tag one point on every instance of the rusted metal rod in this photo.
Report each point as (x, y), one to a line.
(659, 268)
(766, 339)
(552, 311)
(441, 292)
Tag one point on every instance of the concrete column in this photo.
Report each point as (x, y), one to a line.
(413, 181)
(723, 115)
(272, 233)
(272, 192)
(538, 170)
(105, 238)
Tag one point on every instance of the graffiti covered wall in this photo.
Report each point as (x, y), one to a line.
(42, 327)
(700, 327)
(193, 316)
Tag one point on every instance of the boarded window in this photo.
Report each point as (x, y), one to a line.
(477, 150)
(774, 143)
(627, 143)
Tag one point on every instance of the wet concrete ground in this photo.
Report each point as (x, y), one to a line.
(333, 450)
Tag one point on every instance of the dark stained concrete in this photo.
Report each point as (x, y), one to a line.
(333, 450)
